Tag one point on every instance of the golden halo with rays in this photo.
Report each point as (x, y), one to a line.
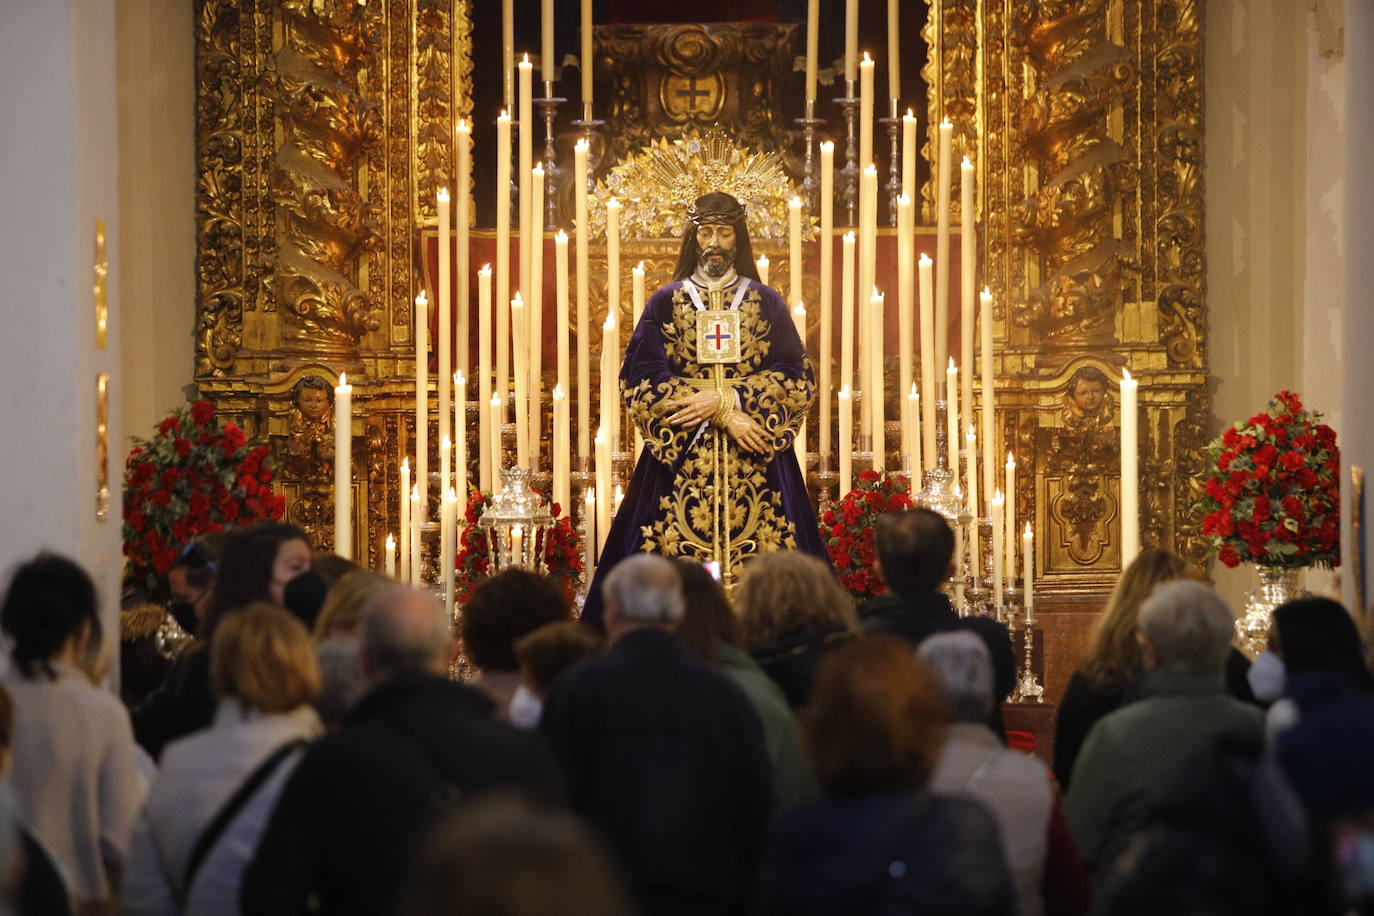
(656, 185)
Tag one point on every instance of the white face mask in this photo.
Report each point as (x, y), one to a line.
(525, 709)
(1267, 677)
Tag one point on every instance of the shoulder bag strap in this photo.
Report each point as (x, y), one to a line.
(205, 843)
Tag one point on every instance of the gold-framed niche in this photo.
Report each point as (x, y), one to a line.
(324, 129)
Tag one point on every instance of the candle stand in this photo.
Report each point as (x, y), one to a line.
(810, 186)
(517, 523)
(589, 126)
(938, 493)
(849, 175)
(826, 480)
(893, 124)
(552, 173)
(1028, 689)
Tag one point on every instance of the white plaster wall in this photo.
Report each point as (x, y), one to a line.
(156, 91)
(58, 174)
(1276, 257)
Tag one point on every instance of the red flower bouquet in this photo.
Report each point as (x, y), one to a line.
(562, 551)
(197, 475)
(1274, 498)
(847, 530)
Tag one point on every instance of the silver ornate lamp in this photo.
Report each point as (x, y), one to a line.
(517, 523)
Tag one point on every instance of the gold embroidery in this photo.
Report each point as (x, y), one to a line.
(748, 518)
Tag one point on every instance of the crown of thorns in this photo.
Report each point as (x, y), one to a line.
(715, 217)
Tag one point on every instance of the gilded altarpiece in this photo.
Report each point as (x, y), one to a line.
(325, 127)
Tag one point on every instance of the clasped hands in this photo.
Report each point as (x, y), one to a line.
(700, 406)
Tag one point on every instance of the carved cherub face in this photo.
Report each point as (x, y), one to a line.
(717, 245)
(313, 402)
(1089, 394)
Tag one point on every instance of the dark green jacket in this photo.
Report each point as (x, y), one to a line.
(1135, 754)
(793, 779)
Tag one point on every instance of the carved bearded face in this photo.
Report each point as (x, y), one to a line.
(314, 403)
(717, 245)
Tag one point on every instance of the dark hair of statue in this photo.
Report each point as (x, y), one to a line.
(690, 253)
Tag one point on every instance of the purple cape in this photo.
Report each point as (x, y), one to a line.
(670, 507)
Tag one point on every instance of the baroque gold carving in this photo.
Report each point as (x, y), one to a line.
(324, 223)
(666, 79)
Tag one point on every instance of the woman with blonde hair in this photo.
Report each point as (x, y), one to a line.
(792, 611)
(1111, 667)
(216, 788)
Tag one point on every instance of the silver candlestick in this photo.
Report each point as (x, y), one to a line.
(548, 105)
(589, 126)
(1028, 689)
(894, 181)
(849, 175)
(810, 186)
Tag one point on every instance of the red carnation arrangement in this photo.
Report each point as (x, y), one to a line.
(562, 551)
(1274, 498)
(847, 530)
(197, 475)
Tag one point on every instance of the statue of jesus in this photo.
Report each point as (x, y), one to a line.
(718, 382)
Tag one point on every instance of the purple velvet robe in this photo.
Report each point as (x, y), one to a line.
(669, 506)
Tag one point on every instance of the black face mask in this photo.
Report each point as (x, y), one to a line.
(304, 596)
(184, 613)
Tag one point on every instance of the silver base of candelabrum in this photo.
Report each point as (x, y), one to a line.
(810, 186)
(893, 123)
(589, 127)
(1028, 689)
(849, 175)
(938, 494)
(548, 105)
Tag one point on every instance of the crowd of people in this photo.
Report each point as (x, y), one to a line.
(323, 739)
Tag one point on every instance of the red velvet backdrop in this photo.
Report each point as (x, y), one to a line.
(483, 251)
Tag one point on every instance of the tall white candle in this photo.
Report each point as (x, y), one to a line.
(911, 439)
(589, 533)
(975, 509)
(534, 305)
(813, 29)
(485, 459)
(989, 445)
(562, 489)
(1028, 573)
(447, 539)
(946, 135)
(546, 60)
(460, 426)
(847, 313)
(586, 64)
(959, 556)
(405, 519)
(876, 388)
(1130, 471)
(637, 303)
(463, 144)
(906, 320)
(794, 248)
(851, 38)
(997, 504)
(1009, 485)
(422, 401)
(762, 264)
(613, 257)
(865, 111)
(508, 53)
(952, 416)
(525, 161)
(894, 51)
(445, 332)
(562, 445)
(503, 226)
(610, 381)
(846, 435)
(603, 485)
(495, 415)
(870, 342)
(929, 366)
(909, 155)
(416, 539)
(522, 413)
(968, 290)
(826, 328)
(343, 468)
(584, 315)
(391, 555)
